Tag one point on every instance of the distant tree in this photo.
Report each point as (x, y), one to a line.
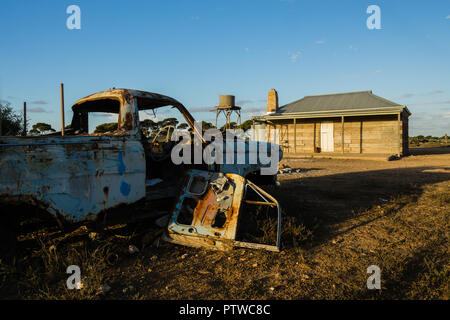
(168, 122)
(182, 126)
(106, 127)
(420, 138)
(232, 125)
(11, 121)
(41, 128)
(148, 126)
(246, 125)
(207, 125)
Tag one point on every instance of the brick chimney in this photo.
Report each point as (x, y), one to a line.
(272, 101)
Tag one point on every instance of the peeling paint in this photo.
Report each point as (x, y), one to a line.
(207, 212)
(79, 175)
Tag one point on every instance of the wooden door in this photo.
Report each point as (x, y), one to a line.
(326, 137)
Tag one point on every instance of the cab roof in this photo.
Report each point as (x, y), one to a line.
(146, 100)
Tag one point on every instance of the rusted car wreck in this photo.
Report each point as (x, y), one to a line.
(79, 175)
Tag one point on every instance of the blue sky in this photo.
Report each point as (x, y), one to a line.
(195, 50)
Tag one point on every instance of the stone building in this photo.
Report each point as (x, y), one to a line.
(342, 123)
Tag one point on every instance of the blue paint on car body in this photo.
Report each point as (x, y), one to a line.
(121, 164)
(125, 188)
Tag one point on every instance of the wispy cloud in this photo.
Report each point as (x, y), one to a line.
(435, 92)
(294, 56)
(37, 110)
(39, 102)
(430, 102)
(200, 109)
(447, 17)
(426, 122)
(410, 95)
(320, 41)
(255, 109)
(105, 115)
(243, 102)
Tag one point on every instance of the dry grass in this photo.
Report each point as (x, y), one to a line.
(338, 219)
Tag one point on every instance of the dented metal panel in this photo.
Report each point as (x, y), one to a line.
(80, 175)
(207, 212)
(202, 201)
(76, 177)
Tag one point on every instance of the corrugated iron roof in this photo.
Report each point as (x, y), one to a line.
(337, 101)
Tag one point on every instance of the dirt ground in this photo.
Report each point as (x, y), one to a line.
(339, 218)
